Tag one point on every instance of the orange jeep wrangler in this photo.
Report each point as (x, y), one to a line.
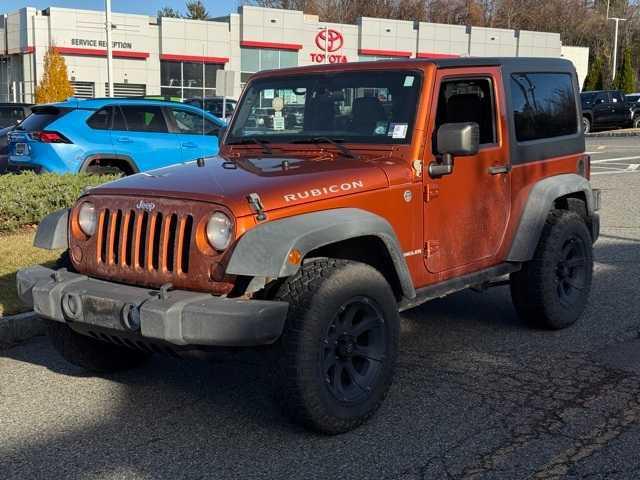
(342, 195)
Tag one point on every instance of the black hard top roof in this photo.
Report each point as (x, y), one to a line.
(514, 62)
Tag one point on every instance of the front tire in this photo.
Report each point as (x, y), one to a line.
(339, 346)
(551, 290)
(636, 122)
(586, 125)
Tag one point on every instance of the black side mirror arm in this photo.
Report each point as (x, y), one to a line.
(442, 167)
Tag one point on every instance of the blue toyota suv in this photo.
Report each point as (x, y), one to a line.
(112, 135)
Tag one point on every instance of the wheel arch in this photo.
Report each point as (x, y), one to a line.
(118, 158)
(341, 233)
(547, 194)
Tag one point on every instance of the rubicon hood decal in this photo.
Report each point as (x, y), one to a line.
(324, 190)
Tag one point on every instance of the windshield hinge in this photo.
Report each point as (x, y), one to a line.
(256, 204)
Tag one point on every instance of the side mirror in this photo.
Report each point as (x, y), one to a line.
(454, 139)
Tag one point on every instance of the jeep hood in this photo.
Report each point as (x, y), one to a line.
(279, 181)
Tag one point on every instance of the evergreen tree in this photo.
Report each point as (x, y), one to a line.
(196, 10)
(169, 12)
(595, 76)
(626, 75)
(55, 85)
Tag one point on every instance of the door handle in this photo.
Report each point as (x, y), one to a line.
(189, 145)
(124, 139)
(499, 169)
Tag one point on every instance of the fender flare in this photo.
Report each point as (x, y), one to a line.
(52, 232)
(114, 156)
(263, 250)
(540, 202)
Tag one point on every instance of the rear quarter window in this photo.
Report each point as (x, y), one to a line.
(41, 118)
(544, 105)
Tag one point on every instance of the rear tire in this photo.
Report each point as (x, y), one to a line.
(551, 291)
(636, 122)
(339, 346)
(586, 125)
(89, 353)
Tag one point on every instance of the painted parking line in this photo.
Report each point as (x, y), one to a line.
(615, 159)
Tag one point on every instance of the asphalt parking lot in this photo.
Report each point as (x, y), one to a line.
(478, 395)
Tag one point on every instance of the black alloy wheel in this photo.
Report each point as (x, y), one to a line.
(354, 350)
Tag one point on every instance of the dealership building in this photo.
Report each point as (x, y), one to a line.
(180, 57)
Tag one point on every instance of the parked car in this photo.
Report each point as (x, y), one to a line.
(112, 135)
(4, 134)
(608, 109)
(313, 236)
(213, 105)
(633, 98)
(13, 113)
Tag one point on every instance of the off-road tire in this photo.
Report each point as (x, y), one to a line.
(321, 295)
(87, 352)
(551, 291)
(586, 125)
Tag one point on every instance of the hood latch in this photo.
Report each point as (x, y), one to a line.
(256, 205)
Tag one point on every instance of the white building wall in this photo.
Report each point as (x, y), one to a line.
(143, 42)
(440, 39)
(579, 56)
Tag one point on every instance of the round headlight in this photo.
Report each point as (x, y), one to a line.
(219, 231)
(87, 218)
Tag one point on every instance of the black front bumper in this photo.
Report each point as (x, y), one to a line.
(179, 317)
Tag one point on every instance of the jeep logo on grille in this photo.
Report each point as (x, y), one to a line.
(147, 206)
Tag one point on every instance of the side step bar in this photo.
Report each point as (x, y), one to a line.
(448, 287)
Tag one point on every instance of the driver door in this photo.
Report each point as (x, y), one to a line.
(466, 212)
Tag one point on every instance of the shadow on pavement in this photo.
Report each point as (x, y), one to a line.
(217, 419)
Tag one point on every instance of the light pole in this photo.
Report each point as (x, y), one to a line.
(107, 7)
(615, 45)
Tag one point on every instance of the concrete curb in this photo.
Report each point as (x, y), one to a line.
(615, 133)
(17, 328)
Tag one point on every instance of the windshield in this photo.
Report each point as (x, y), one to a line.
(352, 107)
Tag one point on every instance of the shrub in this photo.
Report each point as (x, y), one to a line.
(26, 198)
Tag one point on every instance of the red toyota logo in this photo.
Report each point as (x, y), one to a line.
(329, 40)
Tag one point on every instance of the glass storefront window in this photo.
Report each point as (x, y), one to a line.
(170, 74)
(255, 59)
(288, 59)
(269, 59)
(250, 59)
(192, 74)
(184, 79)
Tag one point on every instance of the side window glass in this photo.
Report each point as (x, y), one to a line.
(617, 97)
(100, 120)
(118, 119)
(468, 100)
(191, 123)
(543, 105)
(143, 118)
(601, 98)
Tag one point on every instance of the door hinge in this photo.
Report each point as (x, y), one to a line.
(431, 191)
(431, 248)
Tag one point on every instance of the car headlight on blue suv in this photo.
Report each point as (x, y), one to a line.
(87, 218)
(219, 229)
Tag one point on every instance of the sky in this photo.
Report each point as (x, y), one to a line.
(147, 7)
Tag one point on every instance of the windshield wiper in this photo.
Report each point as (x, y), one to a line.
(344, 150)
(263, 143)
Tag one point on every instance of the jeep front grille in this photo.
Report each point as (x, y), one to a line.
(135, 239)
(151, 248)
